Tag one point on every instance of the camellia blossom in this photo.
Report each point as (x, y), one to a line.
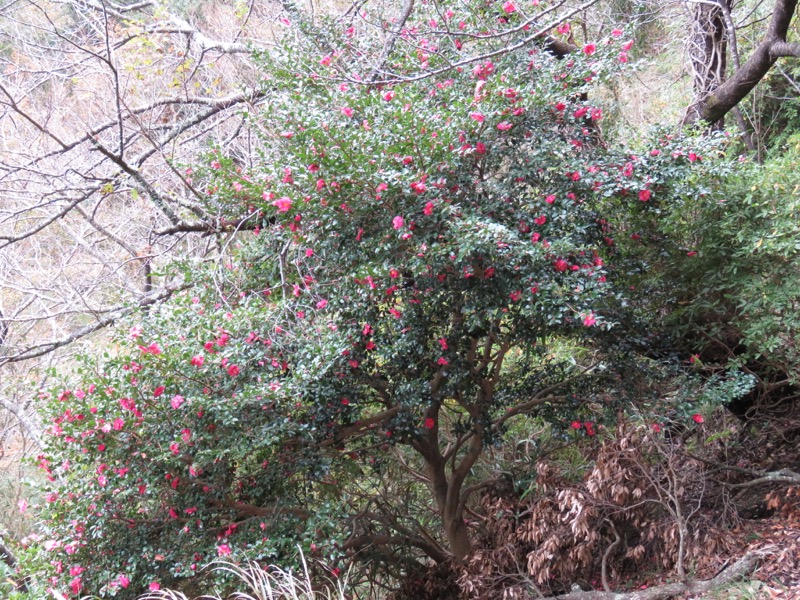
(398, 222)
(430, 423)
(197, 360)
(282, 204)
(644, 195)
(224, 550)
(504, 126)
(176, 402)
(589, 49)
(476, 116)
(509, 7)
(698, 418)
(154, 586)
(233, 370)
(589, 320)
(388, 96)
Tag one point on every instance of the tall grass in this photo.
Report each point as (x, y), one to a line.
(272, 583)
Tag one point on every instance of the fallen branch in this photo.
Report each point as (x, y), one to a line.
(740, 568)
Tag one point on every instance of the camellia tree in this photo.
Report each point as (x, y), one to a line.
(408, 248)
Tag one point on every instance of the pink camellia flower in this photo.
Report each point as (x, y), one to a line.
(197, 360)
(176, 402)
(419, 187)
(698, 418)
(541, 220)
(75, 585)
(589, 320)
(158, 391)
(428, 210)
(515, 296)
(563, 28)
(589, 49)
(123, 581)
(509, 7)
(430, 423)
(561, 265)
(576, 425)
(233, 370)
(644, 195)
(504, 126)
(627, 45)
(224, 550)
(476, 116)
(118, 424)
(616, 33)
(322, 304)
(154, 586)
(442, 361)
(398, 222)
(348, 112)
(388, 96)
(325, 61)
(282, 204)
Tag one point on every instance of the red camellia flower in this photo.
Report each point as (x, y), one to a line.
(589, 49)
(575, 425)
(429, 423)
(197, 361)
(644, 195)
(233, 370)
(158, 391)
(698, 418)
(561, 265)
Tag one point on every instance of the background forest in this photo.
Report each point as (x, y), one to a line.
(432, 300)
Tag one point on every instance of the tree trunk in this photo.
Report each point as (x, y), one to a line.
(708, 51)
(457, 535)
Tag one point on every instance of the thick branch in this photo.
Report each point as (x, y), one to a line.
(774, 45)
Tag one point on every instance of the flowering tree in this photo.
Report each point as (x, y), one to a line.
(415, 237)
